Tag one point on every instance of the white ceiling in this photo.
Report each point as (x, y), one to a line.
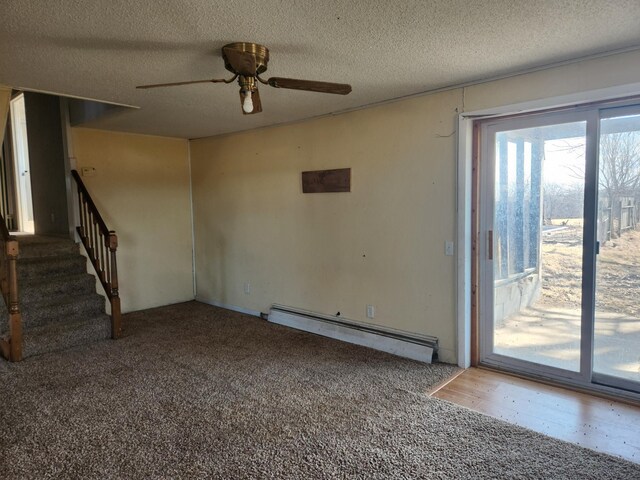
(384, 49)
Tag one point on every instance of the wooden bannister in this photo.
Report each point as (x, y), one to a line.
(100, 244)
(10, 347)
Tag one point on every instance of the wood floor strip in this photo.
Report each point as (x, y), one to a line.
(600, 424)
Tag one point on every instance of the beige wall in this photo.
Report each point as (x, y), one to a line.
(5, 98)
(141, 187)
(381, 244)
(586, 76)
(47, 164)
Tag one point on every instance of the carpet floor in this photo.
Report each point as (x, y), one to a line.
(194, 391)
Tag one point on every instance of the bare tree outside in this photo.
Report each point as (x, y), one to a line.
(561, 201)
(620, 165)
(619, 177)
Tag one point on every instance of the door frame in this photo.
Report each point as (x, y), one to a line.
(469, 257)
(466, 191)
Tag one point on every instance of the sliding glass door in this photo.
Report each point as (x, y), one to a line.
(616, 354)
(559, 262)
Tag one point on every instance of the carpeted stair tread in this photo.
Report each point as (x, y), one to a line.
(40, 239)
(51, 287)
(39, 267)
(37, 246)
(60, 336)
(68, 308)
(58, 300)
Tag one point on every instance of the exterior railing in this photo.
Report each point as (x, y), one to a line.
(100, 244)
(10, 346)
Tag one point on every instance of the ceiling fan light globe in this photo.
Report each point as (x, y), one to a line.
(247, 104)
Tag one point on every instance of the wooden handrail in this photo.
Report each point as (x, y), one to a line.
(82, 189)
(10, 347)
(100, 244)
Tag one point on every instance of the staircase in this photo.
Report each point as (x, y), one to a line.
(57, 297)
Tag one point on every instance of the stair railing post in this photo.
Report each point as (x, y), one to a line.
(116, 314)
(15, 317)
(100, 244)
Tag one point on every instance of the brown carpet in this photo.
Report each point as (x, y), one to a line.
(194, 391)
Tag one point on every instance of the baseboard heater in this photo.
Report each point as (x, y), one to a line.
(403, 344)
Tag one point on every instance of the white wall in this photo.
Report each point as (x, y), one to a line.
(141, 187)
(381, 244)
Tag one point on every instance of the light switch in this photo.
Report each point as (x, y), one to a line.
(448, 248)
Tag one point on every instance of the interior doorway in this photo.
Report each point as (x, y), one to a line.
(21, 169)
(559, 247)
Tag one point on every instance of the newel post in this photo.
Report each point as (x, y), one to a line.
(116, 315)
(15, 318)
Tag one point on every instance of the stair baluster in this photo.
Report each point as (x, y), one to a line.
(100, 244)
(10, 347)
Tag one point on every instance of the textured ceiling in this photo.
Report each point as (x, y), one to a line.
(385, 50)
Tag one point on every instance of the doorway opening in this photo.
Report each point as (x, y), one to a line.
(559, 246)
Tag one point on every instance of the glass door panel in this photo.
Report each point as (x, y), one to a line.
(536, 243)
(559, 246)
(617, 318)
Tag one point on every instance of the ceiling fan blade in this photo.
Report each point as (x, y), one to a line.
(310, 85)
(255, 98)
(243, 63)
(174, 84)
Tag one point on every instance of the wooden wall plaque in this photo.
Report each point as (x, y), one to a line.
(323, 181)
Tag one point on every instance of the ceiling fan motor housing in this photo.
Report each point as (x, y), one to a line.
(260, 52)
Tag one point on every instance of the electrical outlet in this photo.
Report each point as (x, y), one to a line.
(448, 248)
(371, 311)
(247, 288)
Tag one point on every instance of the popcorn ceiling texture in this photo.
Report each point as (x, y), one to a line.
(385, 49)
(194, 391)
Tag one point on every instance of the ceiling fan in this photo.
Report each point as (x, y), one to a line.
(247, 61)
